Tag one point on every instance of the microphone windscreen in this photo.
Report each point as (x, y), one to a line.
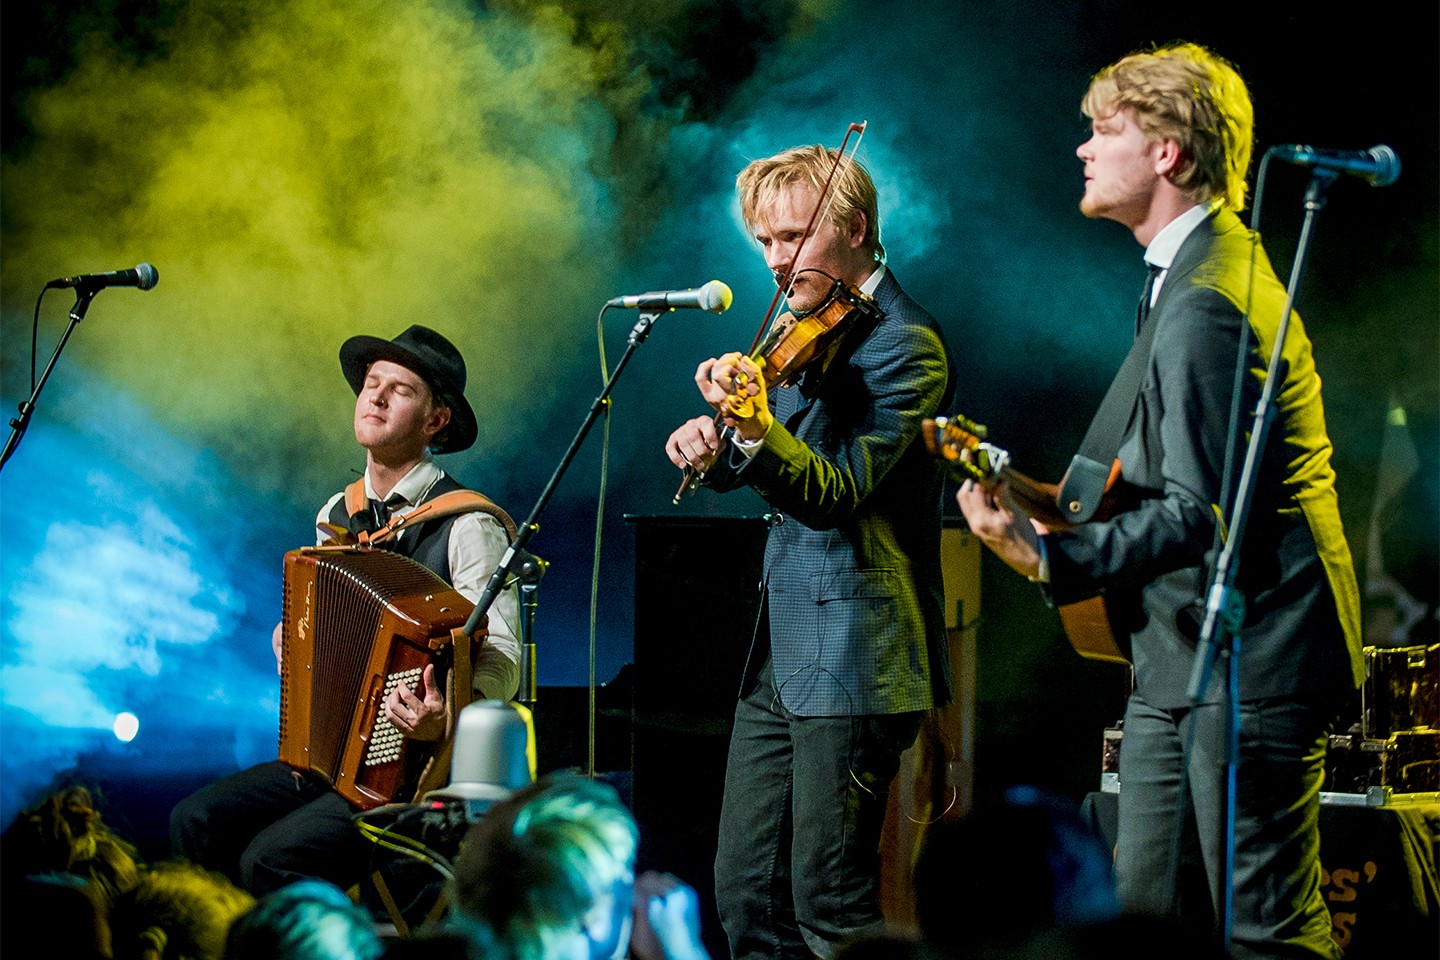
(715, 297)
(1388, 166)
(493, 755)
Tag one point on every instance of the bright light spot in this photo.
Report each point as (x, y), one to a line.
(126, 726)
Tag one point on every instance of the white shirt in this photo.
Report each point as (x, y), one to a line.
(1167, 243)
(477, 542)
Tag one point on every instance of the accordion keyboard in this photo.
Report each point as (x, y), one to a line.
(385, 739)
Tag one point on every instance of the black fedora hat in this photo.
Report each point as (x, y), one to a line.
(436, 360)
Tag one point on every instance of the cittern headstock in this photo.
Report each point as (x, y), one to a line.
(961, 444)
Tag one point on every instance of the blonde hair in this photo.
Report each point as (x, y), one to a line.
(176, 911)
(531, 869)
(762, 181)
(1188, 94)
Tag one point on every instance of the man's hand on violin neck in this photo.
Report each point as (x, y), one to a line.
(735, 386)
(695, 444)
(734, 375)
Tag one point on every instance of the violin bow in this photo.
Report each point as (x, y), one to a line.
(822, 206)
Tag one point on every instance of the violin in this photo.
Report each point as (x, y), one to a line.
(794, 341)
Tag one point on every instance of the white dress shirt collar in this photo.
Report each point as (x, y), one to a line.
(873, 281)
(1162, 250)
(414, 485)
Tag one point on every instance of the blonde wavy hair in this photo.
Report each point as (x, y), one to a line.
(762, 181)
(1186, 93)
(530, 871)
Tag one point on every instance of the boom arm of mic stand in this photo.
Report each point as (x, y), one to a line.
(528, 529)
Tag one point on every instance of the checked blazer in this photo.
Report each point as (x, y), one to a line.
(852, 575)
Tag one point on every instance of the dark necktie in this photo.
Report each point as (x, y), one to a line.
(1144, 310)
(380, 512)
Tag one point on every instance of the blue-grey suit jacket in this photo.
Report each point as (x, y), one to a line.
(852, 562)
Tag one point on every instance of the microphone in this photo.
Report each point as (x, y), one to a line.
(1378, 166)
(714, 297)
(492, 756)
(143, 276)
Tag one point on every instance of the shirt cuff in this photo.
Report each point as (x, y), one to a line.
(749, 447)
(1043, 575)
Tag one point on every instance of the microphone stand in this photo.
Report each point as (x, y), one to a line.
(1225, 606)
(18, 425)
(528, 529)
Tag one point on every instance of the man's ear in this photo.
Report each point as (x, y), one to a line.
(859, 223)
(607, 928)
(439, 420)
(1167, 157)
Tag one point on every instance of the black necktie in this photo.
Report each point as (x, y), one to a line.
(1144, 310)
(379, 513)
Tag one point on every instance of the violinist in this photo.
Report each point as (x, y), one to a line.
(849, 650)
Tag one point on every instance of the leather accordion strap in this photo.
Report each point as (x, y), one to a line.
(458, 696)
(446, 505)
(355, 499)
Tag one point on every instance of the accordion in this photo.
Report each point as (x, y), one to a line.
(357, 622)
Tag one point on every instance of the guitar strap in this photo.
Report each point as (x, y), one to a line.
(1094, 466)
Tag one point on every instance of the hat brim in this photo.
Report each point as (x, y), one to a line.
(356, 355)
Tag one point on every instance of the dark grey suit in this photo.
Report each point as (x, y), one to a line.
(854, 649)
(1300, 644)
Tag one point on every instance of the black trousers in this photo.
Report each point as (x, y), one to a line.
(1279, 912)
(269, 826)
(798, 864)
